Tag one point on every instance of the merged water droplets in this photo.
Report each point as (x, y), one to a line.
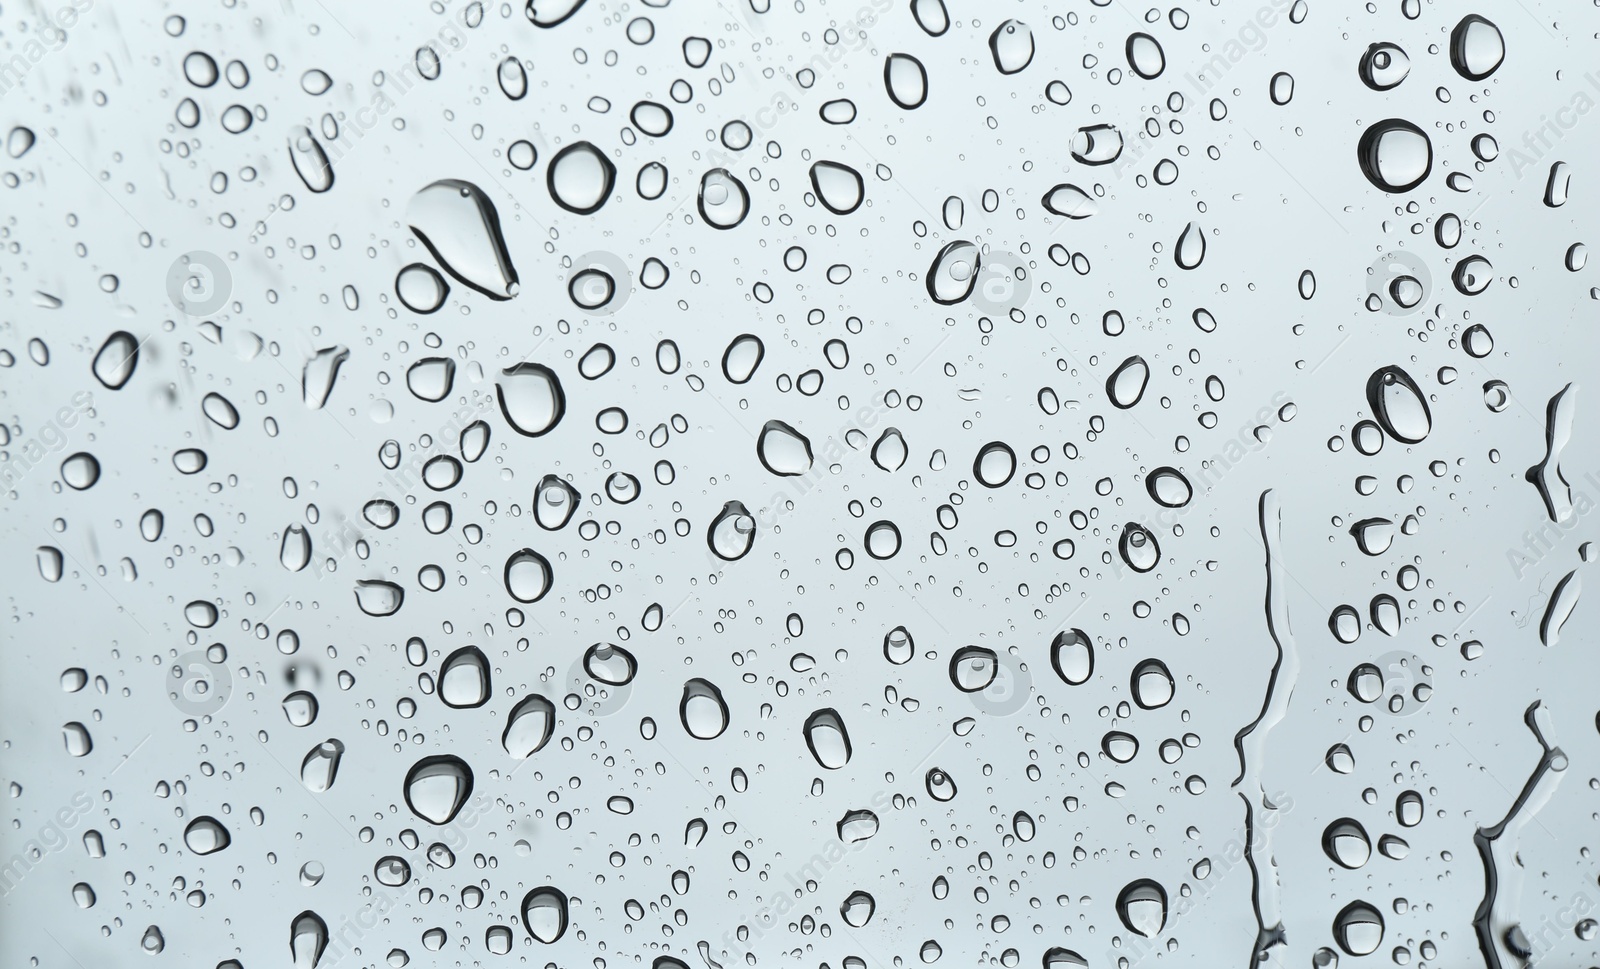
(732, 532)
(461, 228)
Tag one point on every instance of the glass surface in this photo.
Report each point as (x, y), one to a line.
(846, 486)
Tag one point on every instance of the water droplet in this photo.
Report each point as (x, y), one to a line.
(827, 738)
(531, 398)
(1072, 656)
(732, 532)
(437, 787)
(1398, 405)
(544, 914)
(460, 227)
(702, 709)
(783, 450)
(1476, 48)
(527, 575)
(1358, 928)
(115, 362)
(205, 835)
(529, 726)
(464, 678)
(1142, 906)
(1395, 155)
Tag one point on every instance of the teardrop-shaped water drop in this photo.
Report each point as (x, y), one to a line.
(461, 228)
(838, 187)
(531, 398)
(295, 551)
(906, 80)
(889, 452)
(783, 450)
(308, 939)
(1070, 201)
(529, 726)
(1190, 250)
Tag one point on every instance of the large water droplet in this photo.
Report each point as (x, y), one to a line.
(1072, 656)
(437, 787)
(464, 678)
(1398, 405)
(544, 914)
(205, 835)
(702, 709)
(783, 450)
(527, 575)
(1358, 928)
(1395, 155)
(1477, 47)
(954, 273)
(1142, 906)
(529, 726)
(115, 362)
(732, 532)
(827, 738)
(460, 226)
(1125, 386)
(580, 178)
(531, 398)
